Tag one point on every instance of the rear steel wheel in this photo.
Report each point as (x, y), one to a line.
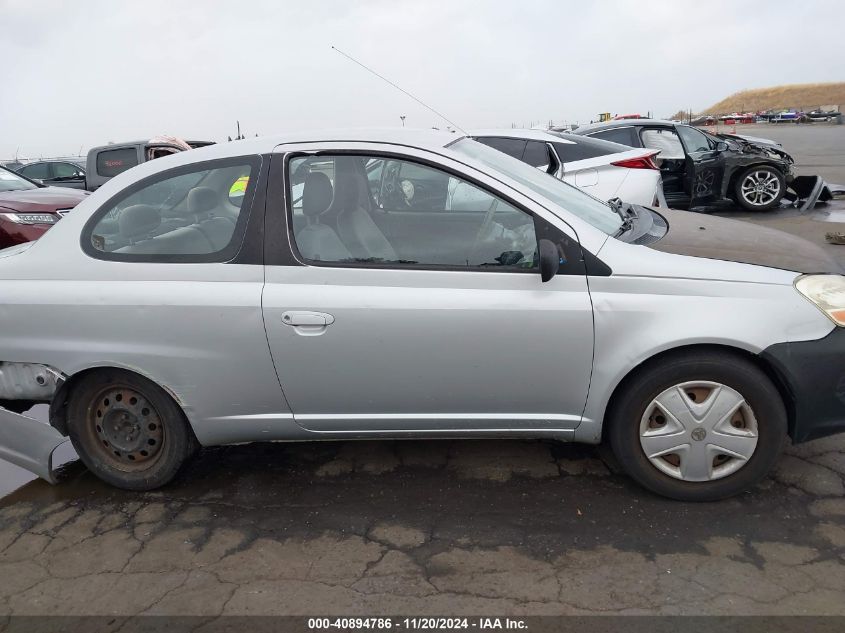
(127, 430)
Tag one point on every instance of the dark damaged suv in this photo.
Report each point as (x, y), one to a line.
(700, 169)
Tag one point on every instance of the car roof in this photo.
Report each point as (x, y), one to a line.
(76, 160)
(607, 125)
(527, 134)
(423, 138)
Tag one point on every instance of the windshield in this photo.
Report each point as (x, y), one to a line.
(12, 182)
(568, 197)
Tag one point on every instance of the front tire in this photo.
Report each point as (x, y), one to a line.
(127, 430)
(760, 188)
(698, 426)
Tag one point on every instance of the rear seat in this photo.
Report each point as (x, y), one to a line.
(186, 240)
(139, 221)
(204, 204)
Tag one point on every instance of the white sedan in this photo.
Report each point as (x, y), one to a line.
(603, 169)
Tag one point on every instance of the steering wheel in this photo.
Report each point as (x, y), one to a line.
(484, 228)
(391, 188)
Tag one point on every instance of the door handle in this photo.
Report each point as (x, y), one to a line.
(305, 318)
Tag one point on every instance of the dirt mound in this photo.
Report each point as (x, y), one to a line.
(801, 96)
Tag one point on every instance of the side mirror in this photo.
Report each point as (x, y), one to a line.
(549, 259)
(721, 146)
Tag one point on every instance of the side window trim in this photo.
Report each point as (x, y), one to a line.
(574, 267)
(226, 254)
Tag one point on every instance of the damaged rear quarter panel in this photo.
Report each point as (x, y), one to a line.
(202, 341)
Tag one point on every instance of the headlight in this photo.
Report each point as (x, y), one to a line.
(827, 292)
(31, 218)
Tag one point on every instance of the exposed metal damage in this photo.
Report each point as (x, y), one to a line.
(25, 441)
(28, 381)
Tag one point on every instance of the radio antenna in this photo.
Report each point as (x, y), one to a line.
(403, 91)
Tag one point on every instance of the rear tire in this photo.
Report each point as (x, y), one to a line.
(127, 430)
(746, 420)
(760, 188)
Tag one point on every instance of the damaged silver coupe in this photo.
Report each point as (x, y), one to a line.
(409, 284)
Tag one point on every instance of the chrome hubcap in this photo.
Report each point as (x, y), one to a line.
(698, 431)
(760, 187)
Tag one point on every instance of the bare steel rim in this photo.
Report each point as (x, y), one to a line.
(125, 429)
(760, 187)
(698, 431)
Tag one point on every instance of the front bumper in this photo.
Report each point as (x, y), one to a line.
(28, 443)
(814, 374)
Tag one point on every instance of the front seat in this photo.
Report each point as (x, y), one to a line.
(357, 229)
(315, 240)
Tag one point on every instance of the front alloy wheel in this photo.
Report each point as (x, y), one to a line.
(760, 188)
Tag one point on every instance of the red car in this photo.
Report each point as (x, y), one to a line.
(28, 209)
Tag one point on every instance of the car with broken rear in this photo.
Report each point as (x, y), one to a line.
(319, 300)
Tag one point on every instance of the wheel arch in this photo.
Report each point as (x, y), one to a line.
(730, 184)
(778, 381)
(58, 405)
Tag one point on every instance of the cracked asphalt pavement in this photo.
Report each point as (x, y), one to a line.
(437, 527)
(424, 527)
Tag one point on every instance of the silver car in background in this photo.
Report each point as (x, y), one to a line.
(346, 285)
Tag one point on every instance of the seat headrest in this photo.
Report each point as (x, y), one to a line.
(139, 220)
(317, 194)
(202, 200)
(347, 190)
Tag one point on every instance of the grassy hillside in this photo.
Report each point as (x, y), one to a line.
(805, 96)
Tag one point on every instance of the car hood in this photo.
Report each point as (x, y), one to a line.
(735, 241)
(42, 200)
(760, 146)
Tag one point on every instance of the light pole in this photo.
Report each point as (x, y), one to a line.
(402, 116)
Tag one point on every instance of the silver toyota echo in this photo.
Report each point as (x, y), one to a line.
(410, 284)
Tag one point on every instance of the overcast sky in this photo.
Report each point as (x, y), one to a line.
(78, 74)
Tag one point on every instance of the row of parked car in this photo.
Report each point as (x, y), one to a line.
(641, 161)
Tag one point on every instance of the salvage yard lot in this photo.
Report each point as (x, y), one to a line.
(440, 527)
(459, 527)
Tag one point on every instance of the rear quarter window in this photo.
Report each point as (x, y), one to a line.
(511, 146)
(112, 162)
(624, 135)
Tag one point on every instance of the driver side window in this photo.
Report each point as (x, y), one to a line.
(369, 210)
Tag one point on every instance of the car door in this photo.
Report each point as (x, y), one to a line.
(446, 333)
(672, 160)
(68, 175)
(705, 167)
(37, 171)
